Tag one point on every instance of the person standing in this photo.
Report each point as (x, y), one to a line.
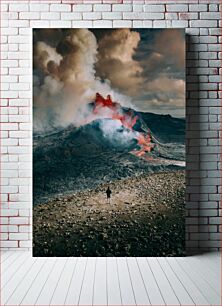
(108, 194)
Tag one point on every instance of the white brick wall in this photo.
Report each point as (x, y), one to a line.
(201, 19)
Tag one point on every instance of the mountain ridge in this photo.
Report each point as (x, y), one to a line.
(81, 158)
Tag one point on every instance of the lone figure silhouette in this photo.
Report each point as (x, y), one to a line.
(108, 194)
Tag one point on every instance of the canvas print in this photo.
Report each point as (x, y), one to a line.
(108, 142)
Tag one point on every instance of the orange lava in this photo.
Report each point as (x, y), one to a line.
(128, 120)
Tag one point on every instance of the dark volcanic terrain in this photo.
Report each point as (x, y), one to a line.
(76, 159)
(145, 218)
(72, 170)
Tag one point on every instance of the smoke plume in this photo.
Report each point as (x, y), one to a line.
(72, 65)
(116, 62)
(65, 79)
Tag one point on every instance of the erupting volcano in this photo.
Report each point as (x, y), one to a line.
(108, 142)
(106, 108)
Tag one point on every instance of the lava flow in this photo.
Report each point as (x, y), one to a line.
(106, 108)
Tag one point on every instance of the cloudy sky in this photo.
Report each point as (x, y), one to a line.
(148, 65)
(140, 67)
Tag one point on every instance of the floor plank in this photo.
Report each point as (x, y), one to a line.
(180, 291)
(212, 260)
(48, 290)
(206, 272)
(76, 282)
(110, 281)
(10, 287)
(6, 255)
(208, 292)
(100, 283)
(113, 285)
(3, 254)
(137, 281)
(166, 289)
(126, 289)
(153, 290)
(188, 283)
(20, 291)
(62, 288)
(11, 261)
(37, 285)
(13, 270)
(86, 294)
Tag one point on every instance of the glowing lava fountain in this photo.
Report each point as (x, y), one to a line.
(105, 108)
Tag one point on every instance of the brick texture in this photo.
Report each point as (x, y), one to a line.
(201, 18)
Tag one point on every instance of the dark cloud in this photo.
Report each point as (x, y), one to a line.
(154, 69)
(49, 36)
(164, 51)
(171, 44)
(162, 56)
(116, 63)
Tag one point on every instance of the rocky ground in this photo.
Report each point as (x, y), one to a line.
(145, 218)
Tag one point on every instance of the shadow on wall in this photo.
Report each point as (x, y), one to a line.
(193, 171)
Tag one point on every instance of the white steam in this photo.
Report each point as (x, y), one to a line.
(115, 132)
(65, 80)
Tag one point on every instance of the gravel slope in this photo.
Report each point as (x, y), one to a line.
(145, 218)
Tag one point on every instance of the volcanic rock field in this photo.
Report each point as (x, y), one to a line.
(145, 218)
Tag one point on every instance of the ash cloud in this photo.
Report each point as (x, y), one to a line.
(116, 62)
(71, 65)
(65, 79)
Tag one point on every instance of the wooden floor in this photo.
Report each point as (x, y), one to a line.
(110, 281)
